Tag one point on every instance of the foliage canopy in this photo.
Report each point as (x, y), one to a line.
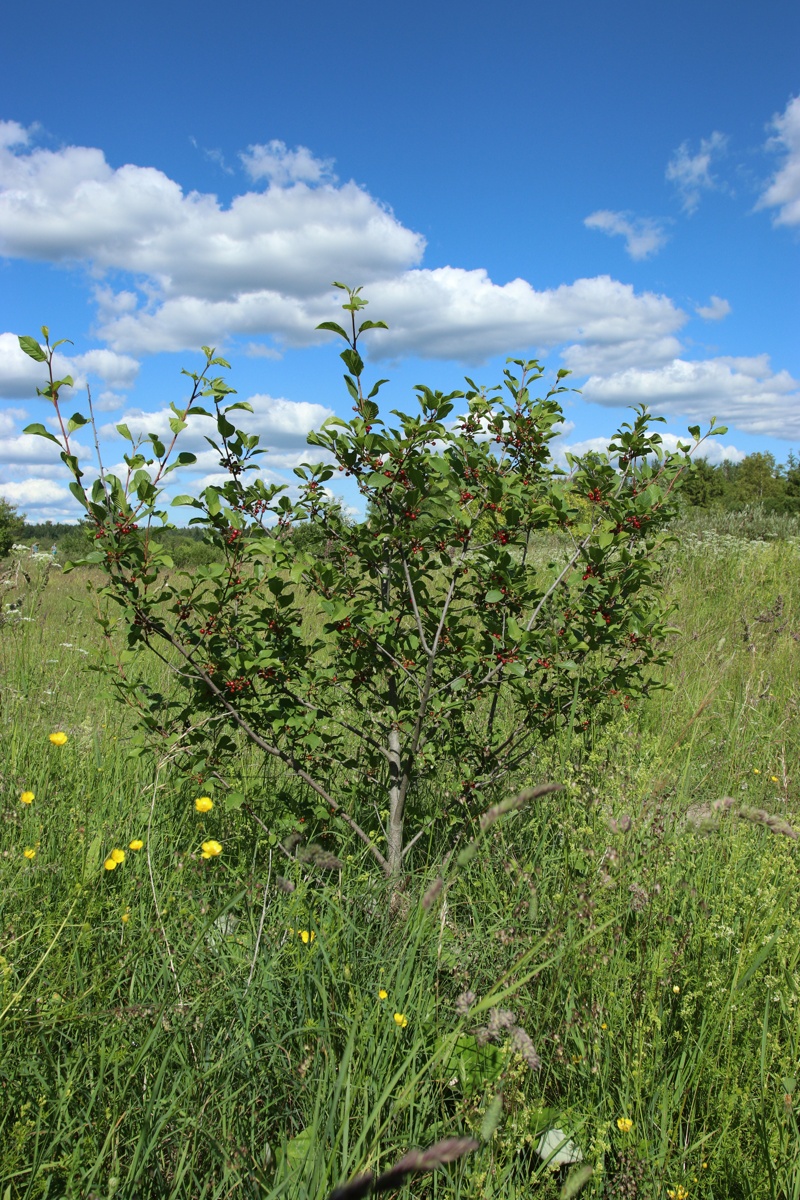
(431, 632)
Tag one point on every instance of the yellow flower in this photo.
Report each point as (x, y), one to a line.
(675, 988)
(306, 937)
(136, 844)
(211, 849)
(678, 1193)
(204, 804)
(624, 1124)
(27, 797)
(29, 852)
(604, 1026)
(774, 779)
(58, 739)
(383, 994)
(756, 771)
(126, 916)
(110, 864)
(117, 855)
(400, 1020)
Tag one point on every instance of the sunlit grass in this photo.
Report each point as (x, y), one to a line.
(227, 1025)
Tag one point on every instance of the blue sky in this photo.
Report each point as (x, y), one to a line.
(614, 188)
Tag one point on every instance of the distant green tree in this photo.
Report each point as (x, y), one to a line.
(792, 476)
(704, 485)
(11, 524)
(755, 479)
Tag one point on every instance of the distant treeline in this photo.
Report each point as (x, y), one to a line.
(757, 479)
(186, 546)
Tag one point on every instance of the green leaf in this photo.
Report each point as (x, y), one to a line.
(76, 421)
(40, 431)
(123, 431)
(187, 500)
(78, 493)
(234, 801)
(32, 348)
(474, 1066)
(334, 328)
(494, 596)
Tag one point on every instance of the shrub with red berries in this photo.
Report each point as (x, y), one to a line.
(427, 639)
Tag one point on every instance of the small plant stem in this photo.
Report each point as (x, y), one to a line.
(153, 888)
(260, 926)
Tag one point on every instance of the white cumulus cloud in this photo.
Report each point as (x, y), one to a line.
(116, 370)
(282, 424)
(43, 495)
(745, 392)
(452, 313)
(713, 449)
(716, 309)
(71, 205)
(262, 266)
(783, 193)
(644, 236)
(691, 173)
(279, 165)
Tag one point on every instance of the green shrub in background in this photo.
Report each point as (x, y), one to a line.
(11, 526)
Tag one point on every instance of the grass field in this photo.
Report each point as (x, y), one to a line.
(189, 1027)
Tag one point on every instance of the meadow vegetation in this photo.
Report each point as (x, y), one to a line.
(182, 1026)
(317, 898)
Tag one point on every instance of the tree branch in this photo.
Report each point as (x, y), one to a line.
(273, 751)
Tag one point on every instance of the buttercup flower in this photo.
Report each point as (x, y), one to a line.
(675, 988)
(29, 852)
(117, 855)
(624, 1124)
(755, 772)
(400, 1020)
(774, 779)
(136, 844)
(678, 1193)
(306, 937)
(211, 849)
(382, 994)
(204, 804)
(58, 739)
(27, 797)
(126, 916)
(110, 864)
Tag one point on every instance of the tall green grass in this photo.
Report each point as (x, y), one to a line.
(228, 1036)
